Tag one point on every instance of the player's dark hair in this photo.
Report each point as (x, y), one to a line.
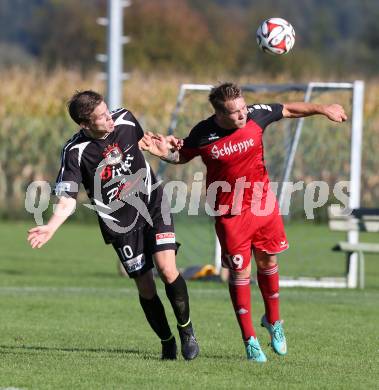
(82, 104)
(222, 93)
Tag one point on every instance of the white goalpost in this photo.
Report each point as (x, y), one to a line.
(356, 88)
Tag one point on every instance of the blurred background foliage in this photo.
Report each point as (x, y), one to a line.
(195, 36)
(48, 49)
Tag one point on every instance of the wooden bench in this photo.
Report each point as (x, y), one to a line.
(357, 220)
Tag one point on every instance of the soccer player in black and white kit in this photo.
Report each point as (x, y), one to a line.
(105, 156)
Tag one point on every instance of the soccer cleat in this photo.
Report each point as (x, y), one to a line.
(254, 351)
(278, 340)
(169, 349)
(190, 347)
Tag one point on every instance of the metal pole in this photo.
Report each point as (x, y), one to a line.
(291, 156)
(355, 174)
(114, 64)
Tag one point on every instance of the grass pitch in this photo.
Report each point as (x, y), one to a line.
(68, 321)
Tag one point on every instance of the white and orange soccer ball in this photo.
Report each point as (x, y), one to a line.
(275, 36)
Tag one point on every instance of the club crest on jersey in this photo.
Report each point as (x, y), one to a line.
(112, 154)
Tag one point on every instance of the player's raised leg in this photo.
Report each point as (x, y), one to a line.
(176, 290)
(268, 281)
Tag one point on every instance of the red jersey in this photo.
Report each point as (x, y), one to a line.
(234, 158)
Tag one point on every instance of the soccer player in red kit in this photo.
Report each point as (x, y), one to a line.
(247, 214)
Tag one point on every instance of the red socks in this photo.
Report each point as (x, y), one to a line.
(268, 281)
(239, 290)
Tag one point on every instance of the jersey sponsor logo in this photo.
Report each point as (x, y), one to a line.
(230, 148)
(125, 188)
(165, 238)
(126, 185)
(138, 202)
(110, 172)
(112, 154)
(135, 264)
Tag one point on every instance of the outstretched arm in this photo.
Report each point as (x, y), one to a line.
(334, 112)
(40, 235)
(166, 148)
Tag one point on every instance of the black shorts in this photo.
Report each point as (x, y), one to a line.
(135, 250)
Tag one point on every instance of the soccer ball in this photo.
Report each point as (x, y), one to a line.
(275, 36)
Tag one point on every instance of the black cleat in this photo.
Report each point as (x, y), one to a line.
(190, 347)
(169, 349)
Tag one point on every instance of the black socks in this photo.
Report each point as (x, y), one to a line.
(178, 295)
(156, 316)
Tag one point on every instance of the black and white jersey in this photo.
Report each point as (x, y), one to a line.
(118, 180)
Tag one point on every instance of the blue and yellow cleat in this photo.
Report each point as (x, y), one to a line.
(278, 340)
(253, 351)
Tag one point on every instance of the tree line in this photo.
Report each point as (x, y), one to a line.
(195, 36)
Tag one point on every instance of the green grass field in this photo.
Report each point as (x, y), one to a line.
(68, 321)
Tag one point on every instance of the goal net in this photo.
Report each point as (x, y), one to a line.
(300, 155)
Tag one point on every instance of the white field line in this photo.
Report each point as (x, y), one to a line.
(15, 290)
(109, 291)
(11, 388)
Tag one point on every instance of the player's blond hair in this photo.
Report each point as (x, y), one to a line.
(222, 93)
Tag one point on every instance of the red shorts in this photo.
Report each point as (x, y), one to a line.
(240, 234)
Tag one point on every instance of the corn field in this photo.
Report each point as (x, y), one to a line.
(35, 125)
